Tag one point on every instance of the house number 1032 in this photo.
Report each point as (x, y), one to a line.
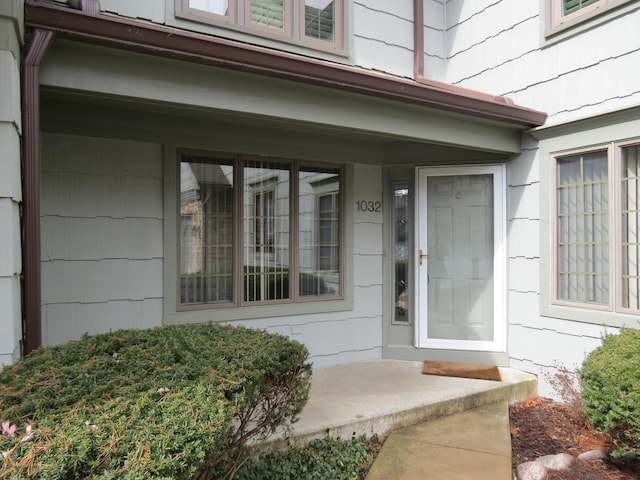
(368, 206)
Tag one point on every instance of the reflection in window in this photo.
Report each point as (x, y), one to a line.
(319, 19)
(319, 231)
(219, 7)
(583, 228)
(570, 6)
(266, 231)
(240, 226)
(630, 220)
(206, 230)
(268, 13)
(401, 251)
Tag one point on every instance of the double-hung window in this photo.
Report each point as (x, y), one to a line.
(315, 23)
(255, 230)
(597, 247)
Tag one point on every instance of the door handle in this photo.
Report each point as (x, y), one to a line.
(421, 256)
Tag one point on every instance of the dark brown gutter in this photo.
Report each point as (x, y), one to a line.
(418, 65)
(40, 42)
(171, 42)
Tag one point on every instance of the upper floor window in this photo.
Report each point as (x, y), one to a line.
(565, 13)
(597, 239)
(315, 23)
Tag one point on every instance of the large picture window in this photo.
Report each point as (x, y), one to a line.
(253, 230)
(317, 23)
(597, 245)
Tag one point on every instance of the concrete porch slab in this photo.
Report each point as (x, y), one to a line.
(380, 396)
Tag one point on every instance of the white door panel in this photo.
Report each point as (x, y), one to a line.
(460, 280)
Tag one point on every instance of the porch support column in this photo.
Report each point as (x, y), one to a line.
(40, 43)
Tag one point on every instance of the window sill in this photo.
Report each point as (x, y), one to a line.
(593, 316)
(261, 312)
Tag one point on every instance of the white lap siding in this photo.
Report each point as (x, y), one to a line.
(101, 217)
(10, 187)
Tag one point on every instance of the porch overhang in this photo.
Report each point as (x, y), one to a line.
(407, 102)
(174, 43)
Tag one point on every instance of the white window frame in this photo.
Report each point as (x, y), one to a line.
(239, 18)
(614, 165)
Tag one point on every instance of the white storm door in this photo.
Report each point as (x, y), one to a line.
(461, 258)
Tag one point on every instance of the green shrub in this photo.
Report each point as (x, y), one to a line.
(325, 459)
(170, 402)
(610, 379)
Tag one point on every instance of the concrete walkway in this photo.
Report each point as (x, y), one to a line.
(471, 445)
(458, 426)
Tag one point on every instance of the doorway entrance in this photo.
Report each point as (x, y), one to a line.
(461, 258)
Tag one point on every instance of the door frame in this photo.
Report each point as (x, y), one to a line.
(498, 171)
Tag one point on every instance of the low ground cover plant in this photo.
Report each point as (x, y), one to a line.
(325, 459)
(610, 378)
(175, 402)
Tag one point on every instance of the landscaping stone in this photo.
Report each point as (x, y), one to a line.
(560, 461)
(593, 455)
(538, 469)
(532, 471)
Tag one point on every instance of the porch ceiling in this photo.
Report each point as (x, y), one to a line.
(71, 112)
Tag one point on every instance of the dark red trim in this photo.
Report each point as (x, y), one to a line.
(40, 42)
(170, 42)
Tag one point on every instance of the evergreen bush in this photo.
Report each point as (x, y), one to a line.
(610, 378)
(171, 402)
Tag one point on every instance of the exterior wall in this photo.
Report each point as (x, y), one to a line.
(383, 36)
(102, 244)
(434, 38)
(499, 47)
(11, 37)
(381, 31)
(355, 334)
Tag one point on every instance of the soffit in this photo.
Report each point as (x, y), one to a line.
(206, 90)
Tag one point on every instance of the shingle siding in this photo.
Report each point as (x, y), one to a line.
(102, 248)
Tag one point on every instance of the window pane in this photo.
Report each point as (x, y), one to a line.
(319, 231)
(401, 251)
(319, 19)
(268, 13)
(206, 230)
(583, 228)
(219, 7)
(570, 6)
(630, 218)
(266, 231)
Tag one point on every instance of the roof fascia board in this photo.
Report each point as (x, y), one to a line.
(184, 45)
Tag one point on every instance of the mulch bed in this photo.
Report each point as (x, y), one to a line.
(543, 427)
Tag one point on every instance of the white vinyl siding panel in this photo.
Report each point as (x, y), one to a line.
(152, 10)
(496, 47)
(10, 180)
(102, 227)
(383, 37)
